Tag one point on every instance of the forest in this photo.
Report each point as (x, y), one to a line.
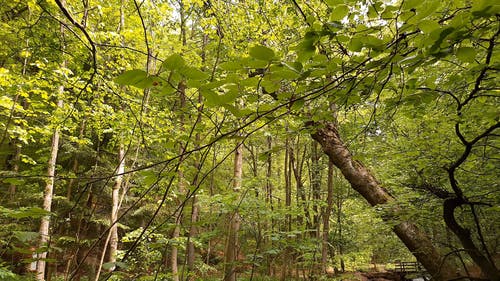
(263, 140)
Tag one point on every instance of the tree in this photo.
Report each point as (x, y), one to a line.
(406, 88)
(362, 180)
(49, 187)
(234, 220)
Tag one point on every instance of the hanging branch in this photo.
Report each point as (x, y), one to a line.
(85, 33)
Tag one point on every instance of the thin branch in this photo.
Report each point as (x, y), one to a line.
(442, 92)
(82, 29)
(482, 74)
(301, 11)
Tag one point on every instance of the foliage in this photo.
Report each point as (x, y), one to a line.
(412, 86)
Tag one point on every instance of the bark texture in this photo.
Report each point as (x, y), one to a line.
(363, 181)
(115, 198)
(47, 198)
(231, 254)
(327, 210)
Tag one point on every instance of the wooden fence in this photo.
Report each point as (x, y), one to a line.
(408, 267)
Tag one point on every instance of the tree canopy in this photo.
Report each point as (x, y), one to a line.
(238, 139)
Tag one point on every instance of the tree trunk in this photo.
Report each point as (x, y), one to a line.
(47, 197)
(115, 199)
(269, 200)
(193, 231)
(326, 218)
(464, 236)
(288, 185)
(288, 203)
(234, 220)
(76, 164)
(178, 215)
(297, 164)
(339, 203)
(175, 251)
(315, 180)
(362, 180)
(13, 165)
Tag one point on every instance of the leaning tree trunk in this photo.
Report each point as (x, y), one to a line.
(363, 181)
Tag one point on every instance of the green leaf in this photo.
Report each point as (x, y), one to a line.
(484, 8)
(250, 82)
(298, 104)
(214, 84)
(229, 97)
(443, 33)
(26, 236)
(29, 212)
(149, 177)
(356, 44)
(211, 98)
(374, 43)
(429, 8)
(334, 3)
(270, 85)
(120, 264)
(231, 66)
(6, 102)
(339, 12)
(135, 77)
(108, 265)
(411, 4)
(283, 72)
(466, 54)
(173, 62)
(251, 62)
(427, 26)
(14, 181)
(262, 53)
(244, 112)
(193, 73)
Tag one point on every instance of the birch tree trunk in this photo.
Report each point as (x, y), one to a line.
(49, 186)
(363, 181)
(47, 196)
(115, 199)
(234, 220)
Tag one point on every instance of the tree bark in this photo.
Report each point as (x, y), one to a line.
(179, 213)
(315, 180)
(464, 235)
(13, 165)
(363, 181)
(288, 203)
(175, 250)
(231, 254)
(326, 218)
(115, 198)
(193, 231)
(47, 197)
(339, 203)
(297, 164)
(288, 184)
